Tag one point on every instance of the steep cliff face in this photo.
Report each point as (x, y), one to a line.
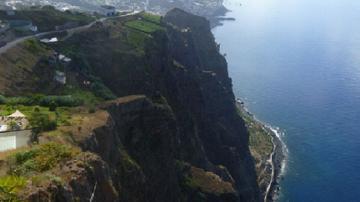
(183, 64)
(181, 140)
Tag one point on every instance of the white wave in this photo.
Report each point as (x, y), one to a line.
(280, 134)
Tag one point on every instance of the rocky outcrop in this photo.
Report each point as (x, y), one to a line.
(81, 178)
(132, 157)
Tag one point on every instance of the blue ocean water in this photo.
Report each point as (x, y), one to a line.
(297, 65)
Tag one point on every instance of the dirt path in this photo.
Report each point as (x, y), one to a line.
(271, 161)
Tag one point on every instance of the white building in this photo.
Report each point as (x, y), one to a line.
(60, 77)
(14, 139)
(63, 58)
(52, 40)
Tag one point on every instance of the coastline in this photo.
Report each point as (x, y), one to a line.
(273, 163)
(278, 158)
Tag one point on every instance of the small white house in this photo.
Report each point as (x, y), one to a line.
(60, 77)
(10, 139)
(64, 59)
(52, 40)
(14, 139)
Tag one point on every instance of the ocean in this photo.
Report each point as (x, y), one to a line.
(296, 64)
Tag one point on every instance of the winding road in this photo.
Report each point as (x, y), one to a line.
(271, 161)
(70, 31)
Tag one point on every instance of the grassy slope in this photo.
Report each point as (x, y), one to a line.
(17, 66)
(261, 146)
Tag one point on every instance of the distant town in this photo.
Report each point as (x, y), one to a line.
(205, 8)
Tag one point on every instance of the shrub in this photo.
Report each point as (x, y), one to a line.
(2, 99)
(9, 186)
(36, 109)
(52, 106)
(33, 46)
(40, 158)
(102, 91)
(63, 101)
(41, 122)
(19, 101)
(47, 101)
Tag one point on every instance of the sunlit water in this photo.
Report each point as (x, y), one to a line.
(297, 65)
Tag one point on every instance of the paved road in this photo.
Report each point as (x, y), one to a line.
(70, 31)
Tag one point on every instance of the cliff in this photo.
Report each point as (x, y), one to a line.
(174, 133)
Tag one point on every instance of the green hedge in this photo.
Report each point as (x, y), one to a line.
(46, 101)
(62, 101)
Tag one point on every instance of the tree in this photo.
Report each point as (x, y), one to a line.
(52, 106)
(40, 122)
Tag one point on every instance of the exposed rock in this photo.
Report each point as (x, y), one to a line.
(209, 130)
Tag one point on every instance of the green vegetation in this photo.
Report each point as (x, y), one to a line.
(143, 26)
(40, 158)
(47, 177)
(42, 100)
(87, 97)
(9, 187)
(32, 164)
(47, 17)
(61, 115)
(137, 39)
(64, 101)
(260, 138)
(128, 163)
(151, 18)
(260, 145)
(100, 90)
(97, 92)
(41, 122)
(200, 181)
(34, 46)
(23, 56)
